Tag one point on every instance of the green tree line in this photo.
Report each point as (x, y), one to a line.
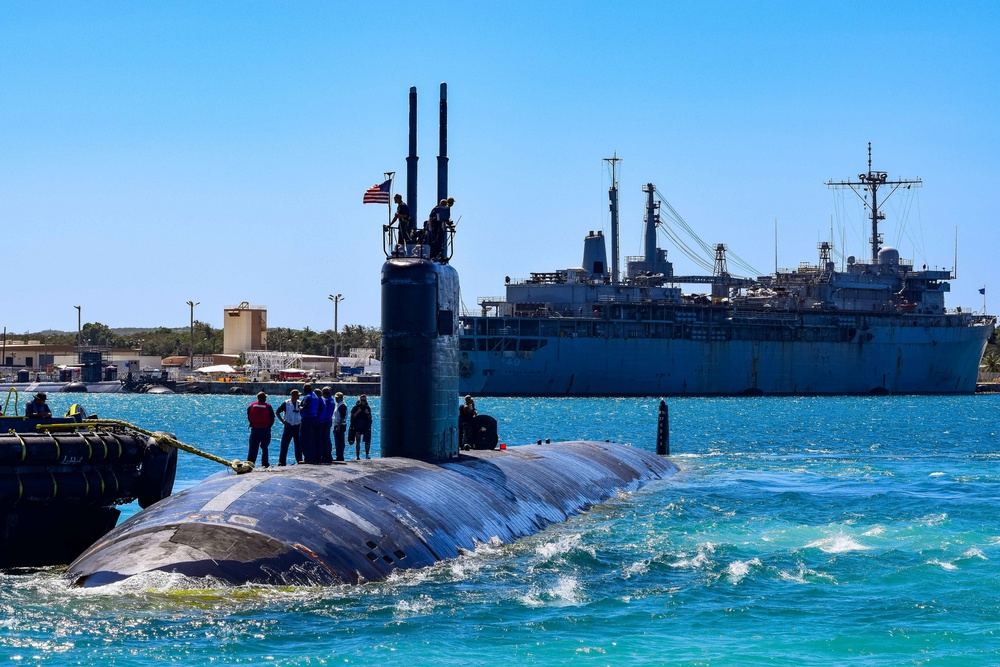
(165, 342)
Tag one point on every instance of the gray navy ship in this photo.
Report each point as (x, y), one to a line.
(874, 327)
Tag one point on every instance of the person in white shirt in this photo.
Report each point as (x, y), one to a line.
(291, 418)
(339, 425)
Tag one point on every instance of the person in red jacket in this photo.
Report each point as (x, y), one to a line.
(261, 418)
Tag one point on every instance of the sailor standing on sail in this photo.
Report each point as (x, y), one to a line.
(434, 231)
(406, 226)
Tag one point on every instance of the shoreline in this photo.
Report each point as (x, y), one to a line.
(27, 389)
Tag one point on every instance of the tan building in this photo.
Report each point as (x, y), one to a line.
(244, 328)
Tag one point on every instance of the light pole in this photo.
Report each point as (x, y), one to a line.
(191, 340)
(336, 333)
(79, 328)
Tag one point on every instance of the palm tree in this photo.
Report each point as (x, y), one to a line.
(991, 361)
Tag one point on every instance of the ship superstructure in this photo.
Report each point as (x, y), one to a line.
(876, 326)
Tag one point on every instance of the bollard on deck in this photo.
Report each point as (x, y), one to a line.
(663, 430)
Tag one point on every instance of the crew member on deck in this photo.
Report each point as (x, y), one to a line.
(339, 425)
(361, 426)
(466, 413)
(309, 410)
(291, 418)
(406, 226)
(325, 424)
(36, 408)
(261, 417)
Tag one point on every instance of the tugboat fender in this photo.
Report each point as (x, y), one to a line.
(484, 432)
(156, 478)
(69, 449)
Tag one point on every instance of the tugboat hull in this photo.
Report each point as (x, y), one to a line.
(58, 491)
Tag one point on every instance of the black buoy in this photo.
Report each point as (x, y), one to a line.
(159, 468)
(663, 430)
(74, 388)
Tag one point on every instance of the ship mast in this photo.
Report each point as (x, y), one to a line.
(613, 196)
(871, 182)
(652, 218)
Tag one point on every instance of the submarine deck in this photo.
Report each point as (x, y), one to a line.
(359, 521)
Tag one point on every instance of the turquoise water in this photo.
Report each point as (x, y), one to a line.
(800, 531)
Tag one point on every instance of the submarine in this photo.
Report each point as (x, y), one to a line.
(424, 500)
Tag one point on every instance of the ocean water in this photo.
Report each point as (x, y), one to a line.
(800, 531)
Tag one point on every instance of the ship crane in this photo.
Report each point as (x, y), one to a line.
(871, 182)
(703, 258)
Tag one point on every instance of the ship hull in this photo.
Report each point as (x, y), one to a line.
(880, 359)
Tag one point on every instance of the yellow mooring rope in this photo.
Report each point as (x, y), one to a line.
(164, 441)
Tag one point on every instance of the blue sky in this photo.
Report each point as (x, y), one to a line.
(157, 152)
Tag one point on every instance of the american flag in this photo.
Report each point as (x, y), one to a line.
(378, 194)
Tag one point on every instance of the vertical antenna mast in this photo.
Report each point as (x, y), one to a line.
(649, 254)
(613, 196)
(775, 246)
(411, 158)
(871, 182)
(443, 145)
(955, 276)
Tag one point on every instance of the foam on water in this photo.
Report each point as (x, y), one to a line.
(802, 575)
(739, 569)
(563, 592)
(701, 559)
(943, 564)
(560, 546)
(837, 544)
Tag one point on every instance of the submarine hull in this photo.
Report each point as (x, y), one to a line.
(324, 525)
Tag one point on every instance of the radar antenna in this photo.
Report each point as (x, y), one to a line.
(871, 182)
